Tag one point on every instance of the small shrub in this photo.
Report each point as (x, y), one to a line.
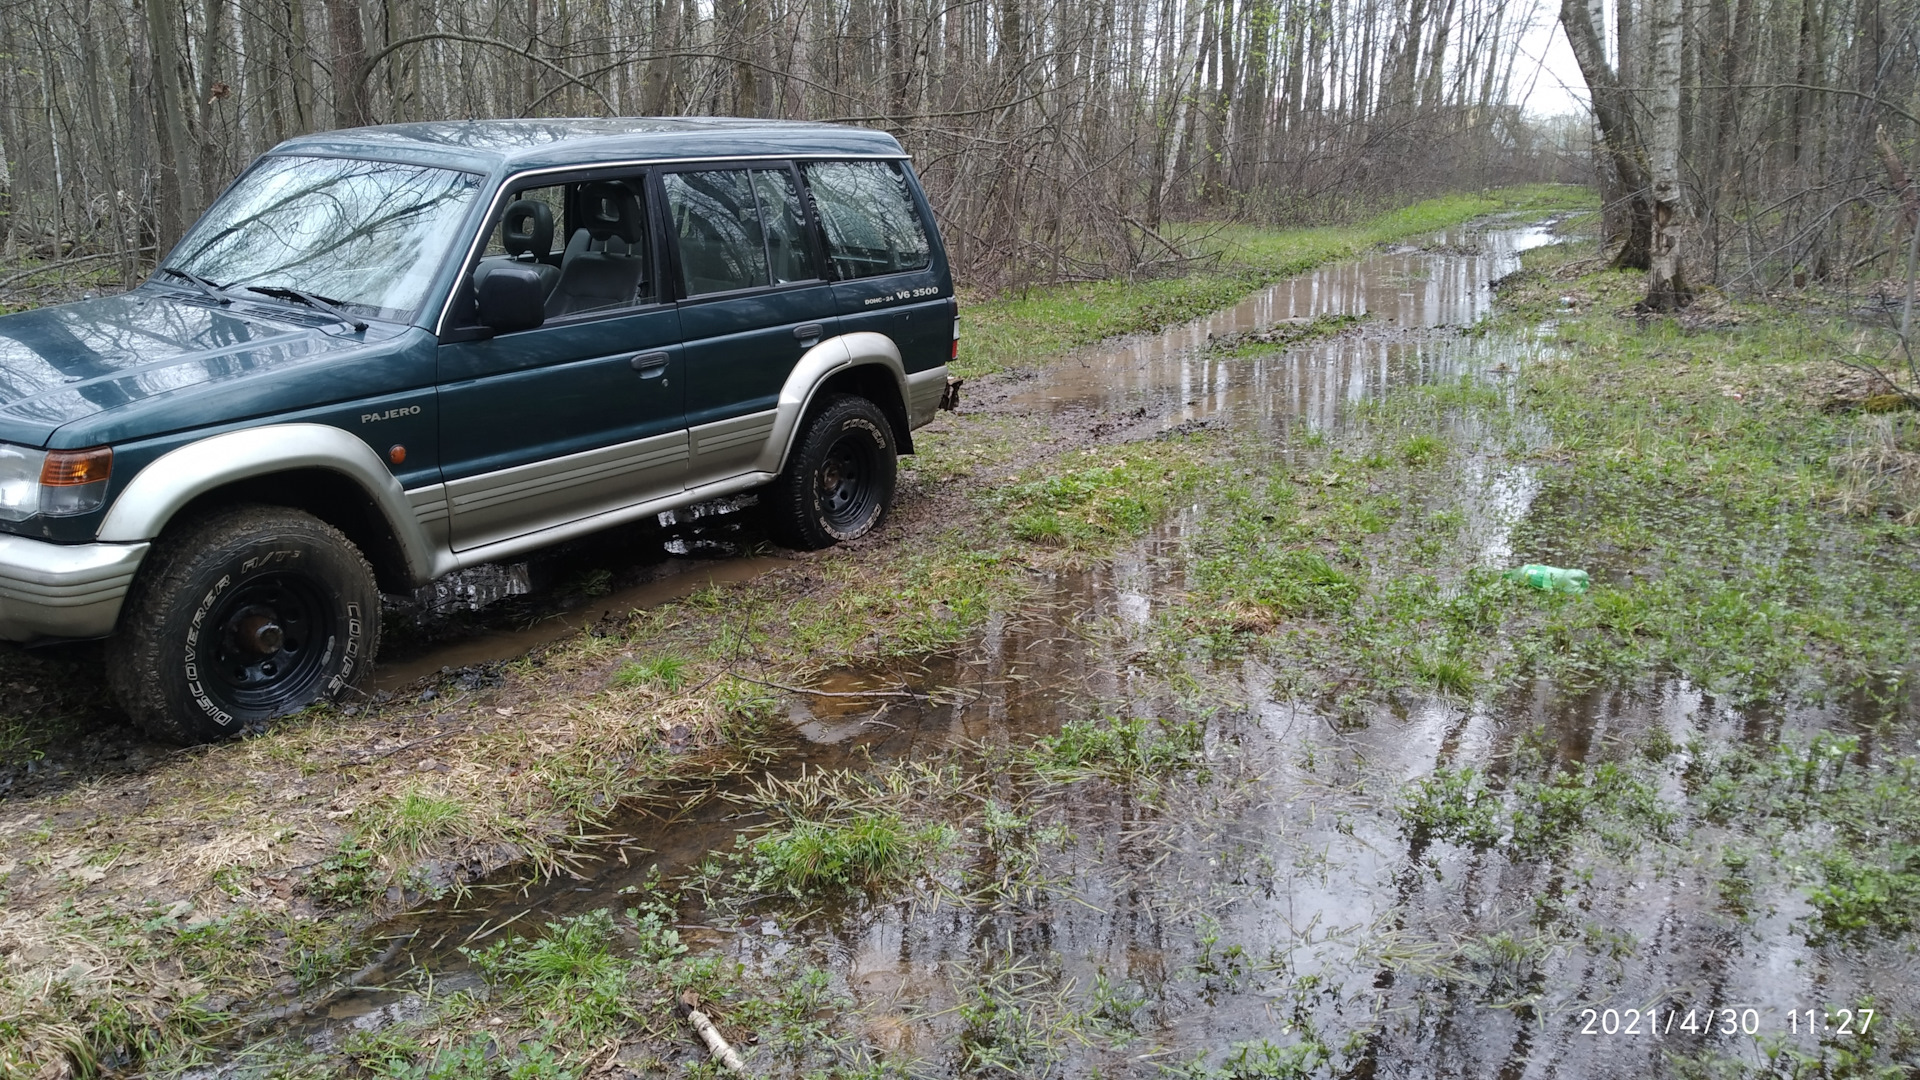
(743, 700)
(1422, 449)
(1859, 896)
(1447, 674)
(1624, 810)
(570, 976)
(1122, 748)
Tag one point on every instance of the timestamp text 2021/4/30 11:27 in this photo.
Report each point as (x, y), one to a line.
(1658, 1022)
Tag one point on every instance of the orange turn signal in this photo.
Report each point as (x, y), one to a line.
(73, 468)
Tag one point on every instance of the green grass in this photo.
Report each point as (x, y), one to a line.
(867, 851)
(1808, 813)
(666, 671)
(1122, 750)
(934, 593)
(1861, 824)
(570, 976)
(348, 876)
(1715, 498)
(1616, 805)
(409, 821)
(1275, 338)
(1453, 806)
(1041, 322)
(1092, 507)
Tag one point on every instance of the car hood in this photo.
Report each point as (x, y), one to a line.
(72, 361)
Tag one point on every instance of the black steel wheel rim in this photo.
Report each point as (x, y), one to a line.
(270, 637)
(848, 478)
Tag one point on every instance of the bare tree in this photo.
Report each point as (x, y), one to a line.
(1666, 287)
(1757, 142)
(1057, 138)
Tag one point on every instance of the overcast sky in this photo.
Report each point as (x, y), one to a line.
(1547, 79)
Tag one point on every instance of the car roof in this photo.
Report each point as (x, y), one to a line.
(515, 145)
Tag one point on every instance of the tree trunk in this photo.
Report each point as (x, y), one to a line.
(349, 59)
(529, 71)
(1666, 282)
(179, 190)
(210, 88)
(1631, 218)
(6, 203)
(658, 96)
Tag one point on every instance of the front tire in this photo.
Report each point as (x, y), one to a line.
(249, 613)
(838, 484)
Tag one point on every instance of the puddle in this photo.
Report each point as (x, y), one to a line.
(1280, 900)
(1399, 292)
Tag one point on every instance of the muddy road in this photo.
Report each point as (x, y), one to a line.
(1120, 841)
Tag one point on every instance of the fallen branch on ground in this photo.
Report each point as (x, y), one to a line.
(717, 1044)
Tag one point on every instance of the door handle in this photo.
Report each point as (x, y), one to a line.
(650, 365)
(808, 333)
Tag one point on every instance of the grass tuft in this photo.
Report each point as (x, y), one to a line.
(407, 823)
(1122, 750)
(666, 671)
(865, 852)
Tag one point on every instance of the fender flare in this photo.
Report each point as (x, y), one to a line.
(176, 478)
(816, 366)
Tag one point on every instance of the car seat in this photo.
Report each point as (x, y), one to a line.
(605, 261)
(526, 231)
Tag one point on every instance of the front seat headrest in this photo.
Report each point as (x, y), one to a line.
(527, 228)
(608, 209)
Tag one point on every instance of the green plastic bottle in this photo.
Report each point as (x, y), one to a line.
(1550, 578)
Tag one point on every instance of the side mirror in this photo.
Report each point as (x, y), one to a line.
(512, 298)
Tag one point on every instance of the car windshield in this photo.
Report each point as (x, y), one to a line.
(365, 235)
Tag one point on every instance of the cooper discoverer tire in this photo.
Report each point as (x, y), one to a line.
(249, 613)
(838, 484)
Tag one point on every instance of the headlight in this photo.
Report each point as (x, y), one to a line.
(56, 483)
(20, 482)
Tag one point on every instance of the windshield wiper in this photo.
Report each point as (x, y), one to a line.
(205, 285)
(312, 300)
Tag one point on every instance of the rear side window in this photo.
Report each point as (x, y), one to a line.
(869, 218)
(738, 229)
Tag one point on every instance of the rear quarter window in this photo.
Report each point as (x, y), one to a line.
(868, 217)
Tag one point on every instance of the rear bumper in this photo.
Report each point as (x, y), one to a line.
(63, 590)
(924, 391)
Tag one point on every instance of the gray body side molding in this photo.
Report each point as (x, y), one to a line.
(816, 366)
(162, 488)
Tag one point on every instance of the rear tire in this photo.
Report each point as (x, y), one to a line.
(249, 613)
(838, 484)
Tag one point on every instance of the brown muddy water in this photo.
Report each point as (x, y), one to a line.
(1276, 898)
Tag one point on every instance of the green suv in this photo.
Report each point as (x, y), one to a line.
(389, 353)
